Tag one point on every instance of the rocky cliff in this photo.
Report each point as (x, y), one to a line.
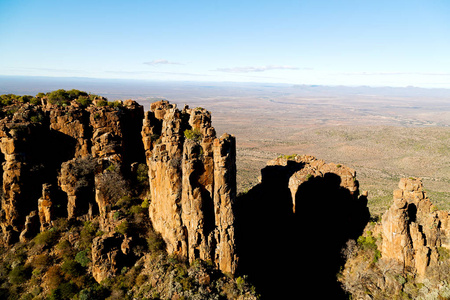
(405, 253)
(68, 160)
(101, 199)
(192, 182)
(43, 149)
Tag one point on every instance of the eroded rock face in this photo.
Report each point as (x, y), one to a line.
(72, 156)
(412, 229)
(107, 256)
(193, 183)
(315, 168)
(410, 242)
(63, 146)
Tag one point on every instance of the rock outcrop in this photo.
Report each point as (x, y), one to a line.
(106, 256)
(405, 253)
(313, 168)
(303, 210)
(63, 146)
(192, 182)
(75, 160)
(412, 229)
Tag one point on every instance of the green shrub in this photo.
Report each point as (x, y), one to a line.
(72, 268)
(145, 204)
(115, 104)
(46, 237)
(87, 234)
(116, 215)
(193, 134)
(59, 97)
(368, 243)
(64, 247)
(84, 101)
(94, 292)
(124, 201)
(7, 99)
(25, 99)
(136, 209)
(288, 157)
(83, 258)
(102, 103)
(155, 241)
(123, 227)
(19, 274)
(65, 290)
(142, 174)
(36, 118)
(35, 101)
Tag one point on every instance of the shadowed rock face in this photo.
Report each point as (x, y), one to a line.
(192, 182)
(294, 224)
(44, 148)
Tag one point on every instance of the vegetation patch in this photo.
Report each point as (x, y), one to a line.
(193, 134)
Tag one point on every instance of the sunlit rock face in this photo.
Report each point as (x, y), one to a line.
(192, 182)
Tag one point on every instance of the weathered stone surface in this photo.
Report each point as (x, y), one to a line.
(73, 122)
(192, 183)
(31, 227)
(410, 242)
(50, 144)
(411, 229)
(224, 195)
(107, 256)
(45, 209)
(316, 168)
(62, 154)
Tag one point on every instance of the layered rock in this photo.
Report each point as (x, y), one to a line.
(412, 229)
(192, 182)
(50, 144)
(106, 256)
(406, 253)
(62, 154)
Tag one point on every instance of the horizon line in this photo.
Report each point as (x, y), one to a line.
(230, 82)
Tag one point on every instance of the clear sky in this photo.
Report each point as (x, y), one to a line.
(332, 42)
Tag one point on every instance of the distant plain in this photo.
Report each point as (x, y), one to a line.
(383, 133)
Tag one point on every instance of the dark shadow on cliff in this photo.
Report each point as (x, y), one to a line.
(43, 155)
(289, 255)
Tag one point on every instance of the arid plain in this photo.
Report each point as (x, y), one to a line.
(383, 133)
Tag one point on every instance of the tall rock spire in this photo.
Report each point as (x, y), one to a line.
(192, 182)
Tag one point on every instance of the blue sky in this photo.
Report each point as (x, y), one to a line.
(333, 42)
